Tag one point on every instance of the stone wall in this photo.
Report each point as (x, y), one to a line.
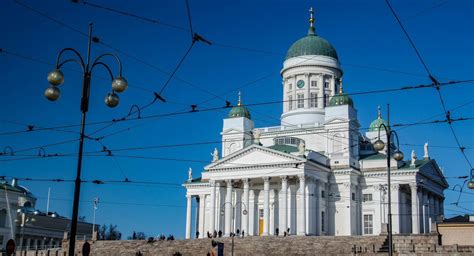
(457, 233)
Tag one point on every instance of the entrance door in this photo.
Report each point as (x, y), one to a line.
(260, 222)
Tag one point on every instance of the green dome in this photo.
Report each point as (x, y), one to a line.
(341, 99)
(239, 111)
(374, 126)
(311, 45)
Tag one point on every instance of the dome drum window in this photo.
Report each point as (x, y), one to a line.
(287, 141)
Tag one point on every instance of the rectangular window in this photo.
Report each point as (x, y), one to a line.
(367, 197)
(326, 84)
(322, 221)
(353, 196)
(300, 100)
(260, 213)
(314, 83)
(290, 102)
(313, 100)
(368, 224)
(290, 86)
(326, 100)
(323, 194)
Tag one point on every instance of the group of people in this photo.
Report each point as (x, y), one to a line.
(219, 234)
(216, 234)
(163, 238)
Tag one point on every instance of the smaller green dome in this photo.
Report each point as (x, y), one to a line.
(341, 99)
(239, 110)
(375, 125)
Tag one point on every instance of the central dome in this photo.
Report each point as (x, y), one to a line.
(311, 45)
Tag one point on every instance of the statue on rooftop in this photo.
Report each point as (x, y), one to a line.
(215, 155)
(413, 158)
(190, 174)
(426, 156)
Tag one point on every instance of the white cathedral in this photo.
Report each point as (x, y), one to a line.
(316, 173)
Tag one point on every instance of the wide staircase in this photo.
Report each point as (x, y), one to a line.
(410, 245)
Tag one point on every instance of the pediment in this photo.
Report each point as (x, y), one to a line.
(432, 170)
(255, 155)
(231, 131)
(336, 120)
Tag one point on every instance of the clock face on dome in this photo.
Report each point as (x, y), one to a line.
(300, 84)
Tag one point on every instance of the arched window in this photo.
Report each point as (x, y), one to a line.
(27, 204)
(337, 143)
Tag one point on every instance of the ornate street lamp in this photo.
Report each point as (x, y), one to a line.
(379, 145)
(470, 184)
(52, 93)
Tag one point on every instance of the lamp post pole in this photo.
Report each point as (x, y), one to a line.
(244, 212)
(398, 156)
(52, 93)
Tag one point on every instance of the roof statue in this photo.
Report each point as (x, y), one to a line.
(426, 156)
(215, 155)
(256, 136)
(190, 174)
(413, 158)
(301, 148)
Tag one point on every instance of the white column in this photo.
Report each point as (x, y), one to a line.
(272, 202)
(310, 207)
(415, 214)
(300, 208)
(202, 216)
(395, 208)
(425, 212)
(212, 211)
(228, 208)
(188, 217)
(283, 204)
(252, 213)
(245, 218)
(266, 205)
(436, 207)
(321, 91)
(317, 207)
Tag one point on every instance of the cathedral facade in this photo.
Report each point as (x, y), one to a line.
(316, 173)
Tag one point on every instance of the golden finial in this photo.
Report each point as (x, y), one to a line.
(311, 22)
(239, 103)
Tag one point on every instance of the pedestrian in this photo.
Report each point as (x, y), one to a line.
(214, 235)
(243, 233)
(220, 233)
(197, 234)
(288, 231)
(284, 233)
(276, 231)
(208, 234)
(238, 232)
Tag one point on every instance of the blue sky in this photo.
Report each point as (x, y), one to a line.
(373, 51)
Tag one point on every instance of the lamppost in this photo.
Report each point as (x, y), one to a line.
(95, 202)
(24, 220)
(244, 212)
(52, 93)
(398, 156)
(470, 184)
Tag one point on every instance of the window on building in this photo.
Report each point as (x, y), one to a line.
(3, 217)
(290, 86)
(323, 194)
(326, 100)
(314, 83)
(290, 102)
(313, 100)
(326, 84)
(300, 101)
(260, 213)
(287, 141)
(322, 221)
(367, 197)
(368, 224)
(353, 196)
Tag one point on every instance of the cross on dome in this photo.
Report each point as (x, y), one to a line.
(311, 30)
(239, 103)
